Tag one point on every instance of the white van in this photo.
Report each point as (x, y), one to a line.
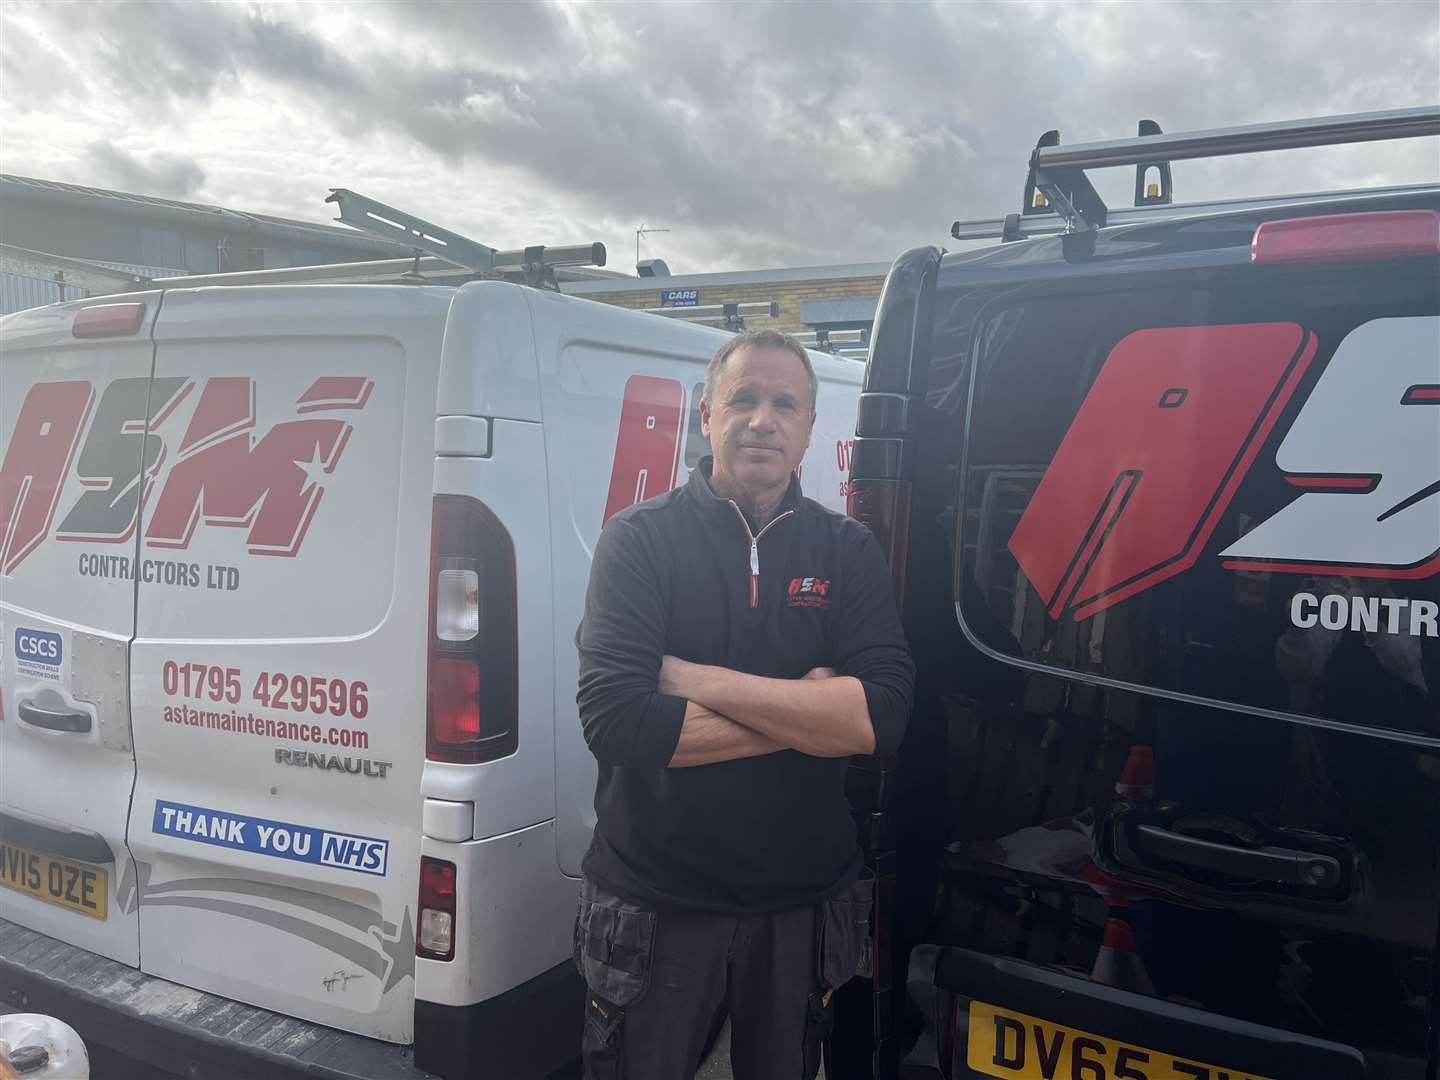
(289, 745)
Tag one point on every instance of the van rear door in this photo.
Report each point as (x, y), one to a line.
(1189, 670)
(279, 666)
(74, 400)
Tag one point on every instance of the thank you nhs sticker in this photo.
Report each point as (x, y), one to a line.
(280, 839)
(38, 652)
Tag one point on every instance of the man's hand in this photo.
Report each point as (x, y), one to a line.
(819, 673)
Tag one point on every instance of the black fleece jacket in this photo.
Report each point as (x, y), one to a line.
(679, 574)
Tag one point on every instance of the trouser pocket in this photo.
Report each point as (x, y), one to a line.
(614, 946)
(602, 1046)
(818, 1018)
(843, 948)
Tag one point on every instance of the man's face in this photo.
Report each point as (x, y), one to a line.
(759, 423)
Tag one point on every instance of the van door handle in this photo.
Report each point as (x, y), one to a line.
(54, 719)
(1281, 866)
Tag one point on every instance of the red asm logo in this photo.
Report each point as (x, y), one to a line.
(808, 592)
(1174, 422)
(224, 472)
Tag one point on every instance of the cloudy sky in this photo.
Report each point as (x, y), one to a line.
(761, 134)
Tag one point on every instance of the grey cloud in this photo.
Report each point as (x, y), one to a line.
(792, 132)
(162, 54)
(165, 175)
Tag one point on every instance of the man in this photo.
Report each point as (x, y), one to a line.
(740, 643)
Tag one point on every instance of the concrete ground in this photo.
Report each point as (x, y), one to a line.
(717, 1065)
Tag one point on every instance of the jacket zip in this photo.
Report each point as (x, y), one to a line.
(755, 548)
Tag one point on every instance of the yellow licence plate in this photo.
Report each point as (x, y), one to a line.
(1015, 1046)
(71, 885)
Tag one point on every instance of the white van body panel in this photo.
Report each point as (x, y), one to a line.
(69, 410)
(308, 590)
(519, 915)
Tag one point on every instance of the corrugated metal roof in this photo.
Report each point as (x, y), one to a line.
(23, 187)
(103, 193)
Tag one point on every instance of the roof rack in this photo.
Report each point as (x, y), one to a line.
(455, 259)
(537, 262)
(723, 316)
(1059, 198)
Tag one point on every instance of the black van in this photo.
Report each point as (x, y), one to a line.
(1162, 492)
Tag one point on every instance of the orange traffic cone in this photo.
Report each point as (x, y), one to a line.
(1118, 963)
(1137, 778)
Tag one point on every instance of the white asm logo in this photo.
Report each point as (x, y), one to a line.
(1366, 450)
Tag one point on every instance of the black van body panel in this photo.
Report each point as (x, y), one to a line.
(1273, 848)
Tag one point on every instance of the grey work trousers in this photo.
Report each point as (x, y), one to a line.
(660, 981)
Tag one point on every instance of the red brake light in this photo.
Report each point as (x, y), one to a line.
(1383, 234)
(455, 697)
(435, 926)
(108, 320)
(473, 633)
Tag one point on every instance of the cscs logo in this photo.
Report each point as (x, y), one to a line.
(1173, 424)
(38, 647)
(222, 470)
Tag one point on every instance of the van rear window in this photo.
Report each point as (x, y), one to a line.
(1227, 489)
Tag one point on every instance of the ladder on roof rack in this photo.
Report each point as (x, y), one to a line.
(537, 262)
(1069, 205)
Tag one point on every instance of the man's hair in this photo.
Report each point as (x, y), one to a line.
(759, 339)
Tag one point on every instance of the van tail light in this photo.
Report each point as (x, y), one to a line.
(1380, 234)
(473, 707)
(883, 506)
(435, 929)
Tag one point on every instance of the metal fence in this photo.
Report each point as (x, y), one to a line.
(20, 293)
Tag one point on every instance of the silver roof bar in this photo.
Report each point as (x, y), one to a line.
(425, 238)
(1072, 208)
(1053, 225)
(1250, 139)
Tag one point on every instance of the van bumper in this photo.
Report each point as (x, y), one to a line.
(177, 1029)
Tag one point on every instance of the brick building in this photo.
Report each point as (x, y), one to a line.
(809, 297)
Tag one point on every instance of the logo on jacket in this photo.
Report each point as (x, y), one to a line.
(813, 592)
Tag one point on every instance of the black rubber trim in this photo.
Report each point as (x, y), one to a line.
(116, 1006)
(524, 1034)
(61, 841)
(884, 415)
(882, 459)
(904, 322)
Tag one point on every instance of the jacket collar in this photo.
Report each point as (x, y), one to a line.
(698, 488)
